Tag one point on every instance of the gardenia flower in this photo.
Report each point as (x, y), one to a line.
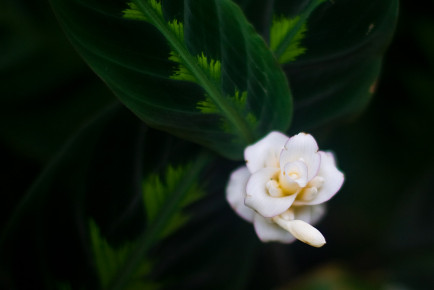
(283, 186)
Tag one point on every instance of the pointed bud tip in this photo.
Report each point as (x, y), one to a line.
(318, 244)
(306, 233)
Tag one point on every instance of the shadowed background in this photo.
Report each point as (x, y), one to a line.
(379, 228)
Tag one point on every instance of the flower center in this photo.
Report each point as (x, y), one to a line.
(274, 189)
(310, 192)
(296, 172)
(294, 175)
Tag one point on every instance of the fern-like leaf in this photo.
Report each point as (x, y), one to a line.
(199, 69)
(286, 34)
(157, 191)
(280, 28)
(108, 261)
(133, 13)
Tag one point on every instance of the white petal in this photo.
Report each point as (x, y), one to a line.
(302, 231)
(302, 147)
(236, 192)
(257, 196)
(268, 231)
(265, 152)
(296, 171)
(333, 180)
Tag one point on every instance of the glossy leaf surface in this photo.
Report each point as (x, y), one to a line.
(161, 68)
(344, 43)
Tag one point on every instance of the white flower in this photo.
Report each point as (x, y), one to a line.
(283, 186)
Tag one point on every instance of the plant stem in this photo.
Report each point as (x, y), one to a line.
(149, 237)
(190, 61)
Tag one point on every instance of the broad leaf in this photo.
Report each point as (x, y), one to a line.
(339, 73)
(196, 69)
(331, 52)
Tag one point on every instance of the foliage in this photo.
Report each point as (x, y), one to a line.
(108, 260)
(135, 196)
(157, 194)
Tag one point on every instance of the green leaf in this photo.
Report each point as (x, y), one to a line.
(286, 34)
(164, 204)
(103, 173)
(44, 83)
(344, 44)
(280, 27)
(338, 74)
(163, 64)
(42, 233)
(157, 193)
(123, 260)
(108, 260)
(134, 13)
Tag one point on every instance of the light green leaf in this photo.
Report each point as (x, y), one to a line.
(108, 261)
(133, 12)
(157, 192)
(165, 202)
(198, 69)
(286, 34)
(165, 64)
(280, 28)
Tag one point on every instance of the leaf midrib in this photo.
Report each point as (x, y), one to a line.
(214, 93)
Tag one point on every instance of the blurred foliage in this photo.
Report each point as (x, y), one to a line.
(45, 86)
(379, 228)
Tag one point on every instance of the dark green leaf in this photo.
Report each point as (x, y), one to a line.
(41, 234)
(129, 264)
(46, 228)
(100, 173)
(44, 82)
(338, 57)
(339, 72)
(164, 204)
(185, 69)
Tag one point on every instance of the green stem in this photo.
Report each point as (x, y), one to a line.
(237, 120)
(280, 50)
(150, 236)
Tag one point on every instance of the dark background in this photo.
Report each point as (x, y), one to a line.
(380, 227)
